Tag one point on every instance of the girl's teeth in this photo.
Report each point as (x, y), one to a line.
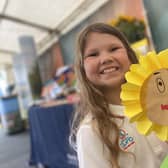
(109, 70)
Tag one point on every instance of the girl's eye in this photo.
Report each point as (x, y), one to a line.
(92, 54)
(114, 48)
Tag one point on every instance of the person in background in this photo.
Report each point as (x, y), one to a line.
(103, 135)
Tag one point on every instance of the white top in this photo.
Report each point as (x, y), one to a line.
(149, 151)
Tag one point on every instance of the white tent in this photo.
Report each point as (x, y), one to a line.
(45, 20)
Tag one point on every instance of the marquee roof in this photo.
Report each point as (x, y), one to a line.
(45, 20)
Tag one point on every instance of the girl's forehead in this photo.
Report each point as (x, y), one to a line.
(96, 39)
(93, 36)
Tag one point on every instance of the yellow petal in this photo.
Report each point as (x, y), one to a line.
(150, 62)
(139, 70)
(133, 108)
(161, 132)
(144, 125)
(130, 87)
(163, 58)
(153, 61)
(129, 95)
(136, 117)
(130, 102)
(134, 78)
(133, 111)
(143, 62)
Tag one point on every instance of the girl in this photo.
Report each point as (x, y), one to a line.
(105, 138)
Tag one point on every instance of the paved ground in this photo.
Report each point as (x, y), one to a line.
(14, 150)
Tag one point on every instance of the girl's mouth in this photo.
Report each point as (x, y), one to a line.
(109, 70)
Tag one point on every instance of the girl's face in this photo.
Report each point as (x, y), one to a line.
(105, 60)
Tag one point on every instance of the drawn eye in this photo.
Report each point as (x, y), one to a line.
(160, 85)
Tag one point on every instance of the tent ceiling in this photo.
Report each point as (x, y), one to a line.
(43, 19)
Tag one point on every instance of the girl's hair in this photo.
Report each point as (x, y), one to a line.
(92, 100)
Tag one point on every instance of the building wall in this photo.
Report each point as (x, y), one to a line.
(157, 14)
(45, 62)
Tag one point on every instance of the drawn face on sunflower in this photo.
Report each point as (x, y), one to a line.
(145, 94)
(156, 97)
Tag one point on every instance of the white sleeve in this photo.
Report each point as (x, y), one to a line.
(90, 149)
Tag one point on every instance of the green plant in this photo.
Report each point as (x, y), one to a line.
(131, 27)
(35, 82)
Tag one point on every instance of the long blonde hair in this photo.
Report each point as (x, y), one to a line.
(92, 100)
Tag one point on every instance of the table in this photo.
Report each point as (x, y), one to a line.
(49, 133)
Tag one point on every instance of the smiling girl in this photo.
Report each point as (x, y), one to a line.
(104, 136)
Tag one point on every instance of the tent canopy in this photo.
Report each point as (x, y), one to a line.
(45, 20)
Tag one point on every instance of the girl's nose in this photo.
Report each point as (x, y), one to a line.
(105, 59)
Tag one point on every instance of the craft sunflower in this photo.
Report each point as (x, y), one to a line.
(145, 94)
